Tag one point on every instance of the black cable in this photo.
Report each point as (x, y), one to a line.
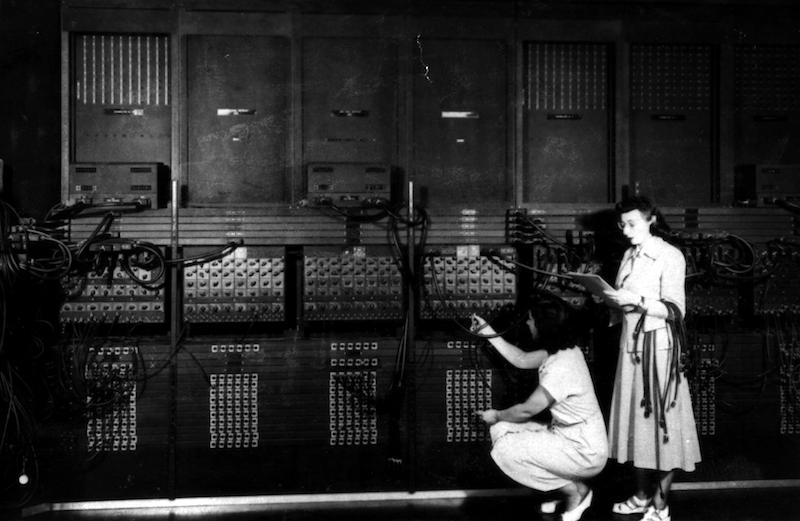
(786, 205)
(149, 258)
(224, 251)
(356, 214)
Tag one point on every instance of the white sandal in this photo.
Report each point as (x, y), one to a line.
(653, 514)
(576, 513)
(549, 507)
(632, 505)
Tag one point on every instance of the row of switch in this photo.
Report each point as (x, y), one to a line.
(111, 444)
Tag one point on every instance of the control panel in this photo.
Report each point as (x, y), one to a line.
(247, 285)
(351, 283)
(461, 280)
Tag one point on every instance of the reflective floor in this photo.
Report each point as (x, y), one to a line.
(714, 502)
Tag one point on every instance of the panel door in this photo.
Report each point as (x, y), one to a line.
(237, 119)
(349, 100)
(567, 121)
(460, 122)
(767, 108)
(121, 98)
(672, 124)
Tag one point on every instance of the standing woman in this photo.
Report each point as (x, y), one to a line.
(651, 423)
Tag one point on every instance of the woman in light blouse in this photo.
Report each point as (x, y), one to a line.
(559, 455)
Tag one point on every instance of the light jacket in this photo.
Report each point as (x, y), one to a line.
(657, 271)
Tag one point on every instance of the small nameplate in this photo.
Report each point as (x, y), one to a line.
(236, 112)
(123, 112)
(564, 116)
(350, 113)
(765, 117)
(668, 117)
(460, 114)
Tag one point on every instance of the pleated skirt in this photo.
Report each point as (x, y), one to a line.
(638, 439)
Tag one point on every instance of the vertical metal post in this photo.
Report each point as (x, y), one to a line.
(174, 334)
(411, 344)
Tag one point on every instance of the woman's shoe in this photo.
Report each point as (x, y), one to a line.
(549, 507)
(576, 513)
(632, 505)
(654, 514)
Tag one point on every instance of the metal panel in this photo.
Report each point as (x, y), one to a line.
(461, 280)
(121, 98)
(460, 121)
(747, 382)
(143, 183)
(349, 99)
(293, 415)
(237, 119)
(160, 17)
(246, 286)
(767, 109)
(351, 284)
(454, 380)
(122, 432)
(567, 87)
(671, 123)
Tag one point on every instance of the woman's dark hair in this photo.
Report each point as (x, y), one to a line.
(554, 323)
(648, 209)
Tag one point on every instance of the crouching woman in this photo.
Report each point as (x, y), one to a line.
(572, 447)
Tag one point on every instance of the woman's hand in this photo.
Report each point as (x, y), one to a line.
(477, 324)
(489, 416)
(624, 297)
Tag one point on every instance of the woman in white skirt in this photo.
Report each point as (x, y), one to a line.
(573, 447)
(651, 423)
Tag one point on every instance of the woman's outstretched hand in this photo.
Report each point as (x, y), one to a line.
(489, 416)
(477, 324)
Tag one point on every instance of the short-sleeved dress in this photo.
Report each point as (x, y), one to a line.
(656, 270)
(574, 446)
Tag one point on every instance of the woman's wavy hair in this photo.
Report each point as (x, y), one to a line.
(648, 209)
(554, 320)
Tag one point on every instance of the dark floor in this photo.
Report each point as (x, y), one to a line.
(730, 503)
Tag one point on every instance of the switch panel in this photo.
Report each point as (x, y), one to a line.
(790, 381)
(454, 383)
(355, 283)
(245, 286)
(466, 391)
(462, 280)
(111, 399)
(704, 396)
(351, 406)
(233, 410)
(112, 296)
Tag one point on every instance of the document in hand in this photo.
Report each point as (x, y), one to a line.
(594, 283)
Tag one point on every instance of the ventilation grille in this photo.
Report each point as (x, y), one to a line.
(671, 77)
(767, 78)
(121, 69)
(566, 76)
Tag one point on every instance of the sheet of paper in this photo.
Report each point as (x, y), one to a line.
(594, 283)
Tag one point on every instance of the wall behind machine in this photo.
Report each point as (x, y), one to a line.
(505, 109)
